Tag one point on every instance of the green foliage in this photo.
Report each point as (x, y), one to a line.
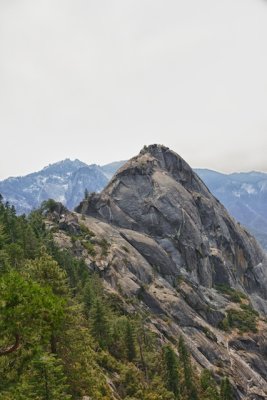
(244, 319)
(224, 324)
(49, 205)
(130, 341)
(90, 248)
(62, 336)
(99, 323)
(46, 380)
(226, 390)
(188, 373)
(208, 386)
(75, 269)
(171, 371)
(28, 311)
(104, 246)
(209, 334)
(234, 295)
(86, 231)
(46, 271)
(122, 339)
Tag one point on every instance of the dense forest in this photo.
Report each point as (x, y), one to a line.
(62, 336)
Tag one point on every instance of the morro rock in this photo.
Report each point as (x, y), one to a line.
(157, 193)
(172, 248)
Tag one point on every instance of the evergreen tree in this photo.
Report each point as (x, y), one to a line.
(130, 342)
(86, 194)
(52, 314)
(208, 386)
(171, 371)
(226, 390)
(4, 258)
(100, 328)
(28, 312)
(47, 380)
(92, 290)
(190, 387)
(46, 271)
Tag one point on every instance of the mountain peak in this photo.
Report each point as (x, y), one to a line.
(159, 158)
(66, 164)
(162, 154)
(158, 193)
(154, 149)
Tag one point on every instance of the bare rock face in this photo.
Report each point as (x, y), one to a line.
(158, 194)
(171, 245)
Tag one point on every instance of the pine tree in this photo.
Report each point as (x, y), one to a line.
(86, 194)
(171, 371)
(46, 379)
(100, 328)
(226, 390)
(46, 271)
(191, 390)
(92, 290)
(29, 312)
(4, 258)
(88, 298)
(130, 342)
(208, 386)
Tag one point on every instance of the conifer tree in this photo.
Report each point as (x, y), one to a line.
(29, 312)
(208, 386)
(99, 323)
(46, 380)
(130, 342)
(187, 370)
(226, 390)
(4, 258)
(171, 371)
(46, 271)
(86, 194)
(92, 290)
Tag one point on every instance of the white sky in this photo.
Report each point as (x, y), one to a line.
(96, 80)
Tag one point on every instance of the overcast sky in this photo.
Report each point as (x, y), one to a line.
(96, 80)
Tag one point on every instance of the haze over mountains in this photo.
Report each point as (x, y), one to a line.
(243, 194)
(245, 197)
(64, 181)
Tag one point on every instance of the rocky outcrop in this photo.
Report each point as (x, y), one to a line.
(158, 194)
(174, 304)
(164, 244)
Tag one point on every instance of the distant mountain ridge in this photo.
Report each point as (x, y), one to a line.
(243, 194)
(64, 181)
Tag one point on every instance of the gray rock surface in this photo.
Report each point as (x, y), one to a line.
(182, 306)
(163, 243)
(172, 243)
(158, 194)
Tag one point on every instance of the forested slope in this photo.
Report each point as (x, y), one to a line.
(64, 336)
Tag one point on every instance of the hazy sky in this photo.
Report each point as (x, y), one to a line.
(96, 80)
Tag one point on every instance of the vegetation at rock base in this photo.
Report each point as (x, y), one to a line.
(226, 389)
(245, 319)
(63, 337)
(234, 295)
